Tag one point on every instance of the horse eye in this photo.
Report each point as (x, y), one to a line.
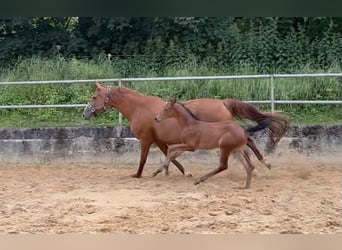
(94, 97)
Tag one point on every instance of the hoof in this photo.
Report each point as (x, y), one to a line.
(266, 164)
(241, 188)
(136, 175)
(255, 173)
(158, 171)
(189, 175)
(197, 182)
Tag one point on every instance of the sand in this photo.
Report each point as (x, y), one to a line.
(100, 198)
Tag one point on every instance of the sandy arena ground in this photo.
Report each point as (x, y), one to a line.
(79, 198)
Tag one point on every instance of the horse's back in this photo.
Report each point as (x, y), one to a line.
(209, 110)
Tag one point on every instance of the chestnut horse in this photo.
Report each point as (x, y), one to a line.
(228, 136)
(140, 111)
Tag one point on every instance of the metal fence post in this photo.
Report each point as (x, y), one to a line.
(120, 115)
(272, 92)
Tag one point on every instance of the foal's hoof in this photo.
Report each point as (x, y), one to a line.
(241, 188)
(268, 165)
(189, 175)
(136, 175)
(154, 174)
(198, 181)
(255, 173)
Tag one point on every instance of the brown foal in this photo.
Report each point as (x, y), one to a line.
(228, 136)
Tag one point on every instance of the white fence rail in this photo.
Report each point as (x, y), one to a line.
(271, 77)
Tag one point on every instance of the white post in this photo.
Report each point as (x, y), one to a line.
(120, 115)
(272, 92)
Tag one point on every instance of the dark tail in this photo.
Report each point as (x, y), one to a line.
(275, 123)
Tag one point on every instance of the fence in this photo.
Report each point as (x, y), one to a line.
(271, 77)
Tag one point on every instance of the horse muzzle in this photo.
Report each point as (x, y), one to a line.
(89, 112)
(87, 115)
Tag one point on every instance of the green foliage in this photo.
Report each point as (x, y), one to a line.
(252, 89)
(270, 44)
(53, 48)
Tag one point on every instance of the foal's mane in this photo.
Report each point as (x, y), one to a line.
(188, 110)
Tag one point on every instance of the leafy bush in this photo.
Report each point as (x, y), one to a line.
(244, 89)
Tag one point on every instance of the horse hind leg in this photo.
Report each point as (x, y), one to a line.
(246, 161)
(223, 165)
(253, 147)
(242, 159)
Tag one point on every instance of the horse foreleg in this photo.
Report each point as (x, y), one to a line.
(163, 147)
(222, 166)
(164, 167)
(145, 148)
(172, 153)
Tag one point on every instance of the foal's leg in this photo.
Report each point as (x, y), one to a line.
(172, 153)
(248, 166)
(224, 154)
(163, 147)
(251, 145)
(145, 148)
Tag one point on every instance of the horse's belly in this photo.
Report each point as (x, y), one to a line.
(208, 144)
(168, 136)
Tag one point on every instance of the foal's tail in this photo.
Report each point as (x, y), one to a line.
(275, 123)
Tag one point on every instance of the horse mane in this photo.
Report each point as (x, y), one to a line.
(128, 90)
(122, 91)
(188, 110)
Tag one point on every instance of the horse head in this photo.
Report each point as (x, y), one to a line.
(168, 110)
(99, 102)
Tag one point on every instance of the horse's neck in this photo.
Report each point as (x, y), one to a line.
(184, 118)
(126, 101)
(126, 91)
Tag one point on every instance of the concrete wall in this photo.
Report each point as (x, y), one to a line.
(319, 144)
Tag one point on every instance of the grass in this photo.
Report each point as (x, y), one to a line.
(245, 89)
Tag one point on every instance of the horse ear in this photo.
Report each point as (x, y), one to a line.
(99, 85)
(173, 100)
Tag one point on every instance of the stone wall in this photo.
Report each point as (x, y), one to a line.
(321, 144)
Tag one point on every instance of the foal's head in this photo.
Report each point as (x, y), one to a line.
(168, 110)
(99, 101)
